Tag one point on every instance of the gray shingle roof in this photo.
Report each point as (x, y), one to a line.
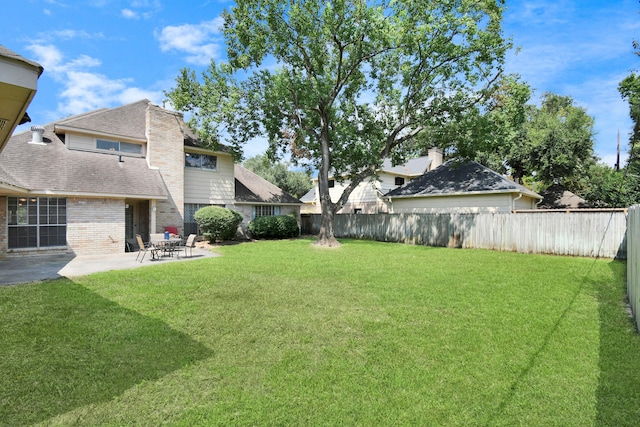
(558, 197)
(455, 178)
(251, 188)
(126, 121)
(51, 167)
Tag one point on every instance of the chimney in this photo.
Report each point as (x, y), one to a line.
(36, 135)
(435, 154)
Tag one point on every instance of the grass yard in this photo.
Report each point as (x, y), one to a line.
(284, 333)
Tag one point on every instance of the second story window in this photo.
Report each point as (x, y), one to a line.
(201, 161)
(399, 180)
(117, 146)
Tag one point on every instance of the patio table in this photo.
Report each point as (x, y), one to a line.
(167, 246)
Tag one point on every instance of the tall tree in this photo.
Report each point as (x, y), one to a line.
(355, 81)
(296, 183)
(559, 140)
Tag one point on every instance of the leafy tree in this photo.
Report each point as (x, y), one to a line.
(547, 144)
(559, 141)
(355, 81)
(296, 183)
(607, 187)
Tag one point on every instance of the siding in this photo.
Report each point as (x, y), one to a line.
(211, 187)
(88, 143)
(467, 203)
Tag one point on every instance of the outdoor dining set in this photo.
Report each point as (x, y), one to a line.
(164, 245)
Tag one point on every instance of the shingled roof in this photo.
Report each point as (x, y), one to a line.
(51, 168)
(127, 121)
(459, 178)
(251, 188)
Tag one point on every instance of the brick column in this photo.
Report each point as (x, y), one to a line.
(165, 150)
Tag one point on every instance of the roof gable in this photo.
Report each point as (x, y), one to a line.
(454, 177)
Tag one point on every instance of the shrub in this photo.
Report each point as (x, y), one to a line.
(274, 227)
(218, 223)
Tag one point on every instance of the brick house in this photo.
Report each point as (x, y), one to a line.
(88, 183)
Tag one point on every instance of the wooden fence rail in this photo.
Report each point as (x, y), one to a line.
(589, 234)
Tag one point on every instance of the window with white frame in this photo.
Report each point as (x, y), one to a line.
(117, 146)
(35, 222)
(265, 210)
(200, 161)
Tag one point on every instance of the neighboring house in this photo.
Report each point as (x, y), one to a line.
(558, 197)
(18, 85)
(89, 183)
(461, 187)
(367, 197)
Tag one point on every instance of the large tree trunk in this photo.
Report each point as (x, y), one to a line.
(325, 236)
(327, 208)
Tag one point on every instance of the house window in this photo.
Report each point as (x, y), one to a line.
(35, 222)
(332, 183)
(201, 161)
(399, 180)
(265, 210)
(117, 146)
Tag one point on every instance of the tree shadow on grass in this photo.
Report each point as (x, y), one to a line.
(64, 346)
(618, 392)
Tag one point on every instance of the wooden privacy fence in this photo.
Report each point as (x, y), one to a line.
(633, 261)
(588, 233)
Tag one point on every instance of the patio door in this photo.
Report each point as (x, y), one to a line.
(136, 219)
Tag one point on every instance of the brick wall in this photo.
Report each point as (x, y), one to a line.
(95, 226)
(166, 151)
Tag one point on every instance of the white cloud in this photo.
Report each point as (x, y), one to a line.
(199, 41)
(82, 89)
(129, 14)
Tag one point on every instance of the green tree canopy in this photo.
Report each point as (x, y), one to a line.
(354, 81)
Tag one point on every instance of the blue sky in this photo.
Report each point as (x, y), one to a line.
(105, 53)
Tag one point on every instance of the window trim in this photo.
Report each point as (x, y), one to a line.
(37, 215)
(118, 148)
(258, 211)
(201, 165)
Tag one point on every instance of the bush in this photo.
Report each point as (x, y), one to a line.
(218, 223)
(274, 227)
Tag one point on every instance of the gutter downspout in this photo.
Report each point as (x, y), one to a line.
(513, 202)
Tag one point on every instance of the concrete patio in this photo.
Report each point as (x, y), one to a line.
(16, 269)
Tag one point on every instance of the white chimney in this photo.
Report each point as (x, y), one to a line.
(36, 135)
(435, 154)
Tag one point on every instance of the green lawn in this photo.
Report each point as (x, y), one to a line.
(284, 333)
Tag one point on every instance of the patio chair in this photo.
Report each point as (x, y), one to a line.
(154, 237)
(144, 248)
(189, 244)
